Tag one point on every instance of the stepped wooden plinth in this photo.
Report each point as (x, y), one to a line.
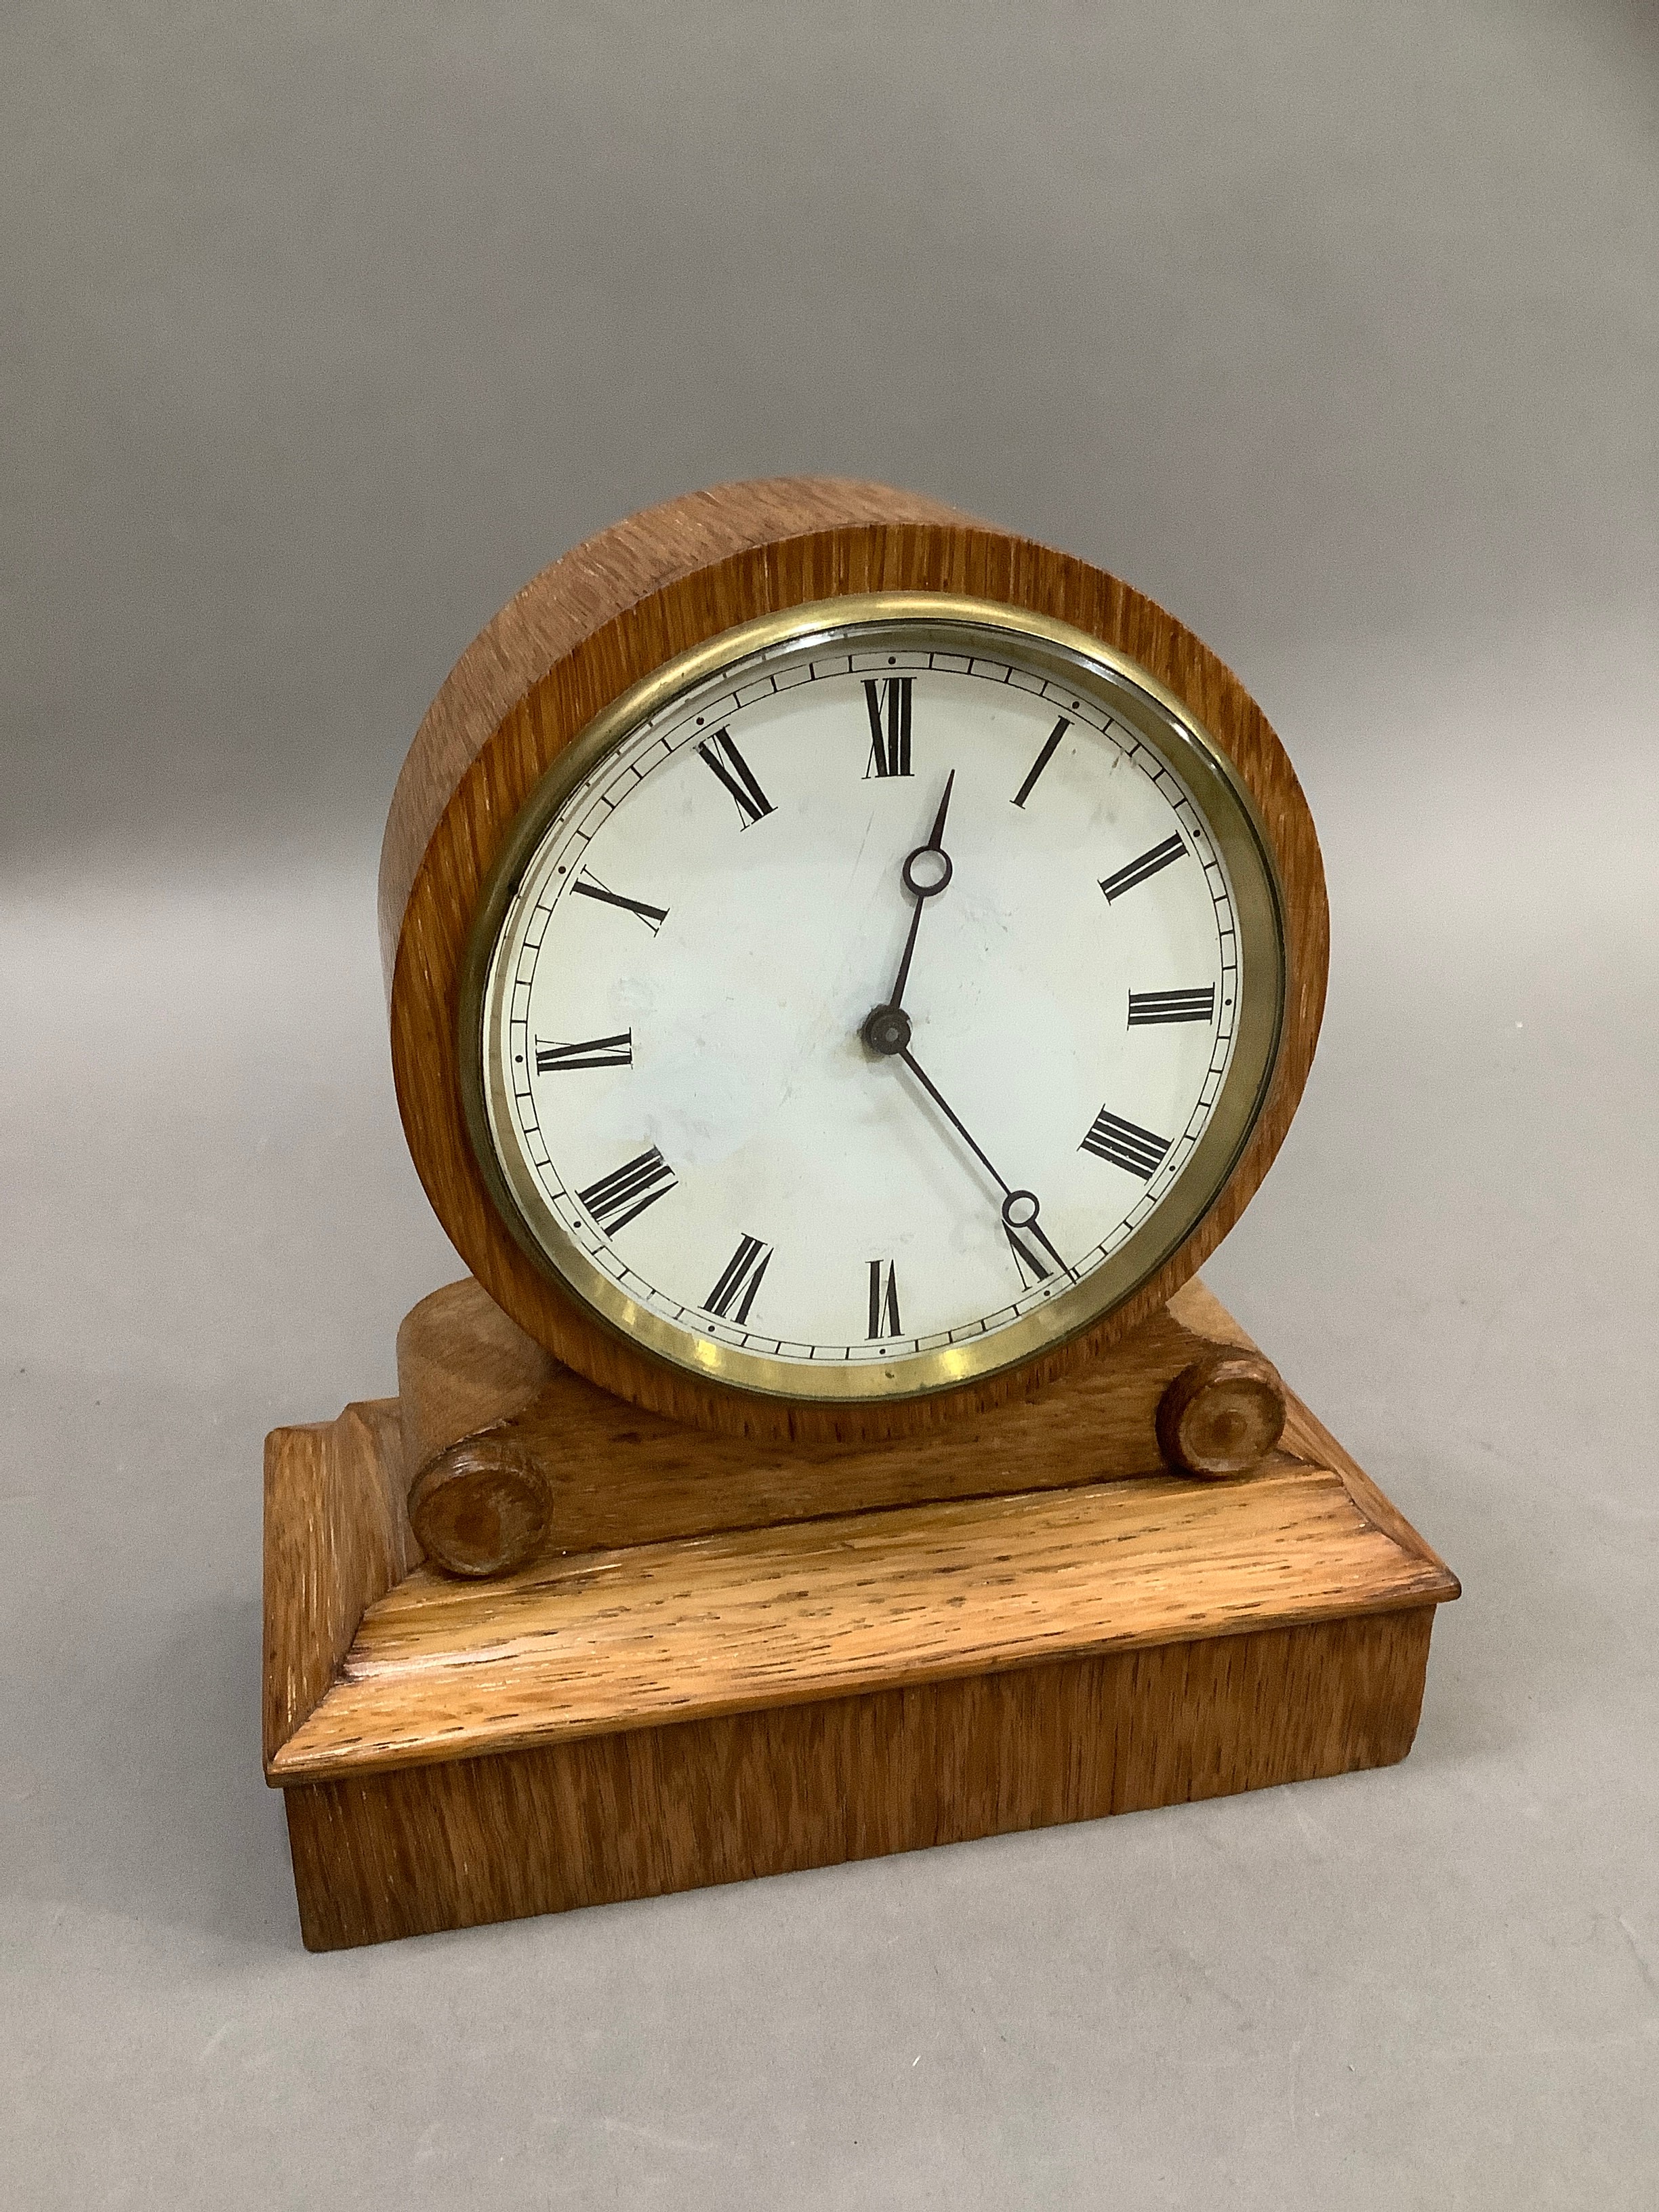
(639, 1716)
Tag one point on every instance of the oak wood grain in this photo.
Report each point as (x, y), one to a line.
(482, 1507)
(1306, 1435)
(463, 1365)
(610, 613)
(577, 595)
(645, 1811)
(652, 1634)
(336, 1538)
(651, 1717)
(487, 1412)
(1222, 1415)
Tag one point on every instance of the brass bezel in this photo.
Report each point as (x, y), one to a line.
(1134, 696)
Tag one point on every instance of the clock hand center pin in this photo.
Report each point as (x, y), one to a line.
(925, 873)
(886, 1029)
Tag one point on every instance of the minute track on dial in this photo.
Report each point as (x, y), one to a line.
(675, 1085)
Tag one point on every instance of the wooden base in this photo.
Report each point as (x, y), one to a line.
(652, 1717)
(511, 1456)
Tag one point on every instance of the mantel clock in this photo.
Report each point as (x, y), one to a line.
(847, 967)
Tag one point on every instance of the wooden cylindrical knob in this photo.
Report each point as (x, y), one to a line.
(1222, 1415)
(479, 1507)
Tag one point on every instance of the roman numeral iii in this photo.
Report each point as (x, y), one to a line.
(740, 1280)
(1147, 1006)
(1111, 1138)
(596, 1052)
(1137, 872)
(888, 702)
(586, 886)
(720, 754)
(884, 1302)
(622, 1196)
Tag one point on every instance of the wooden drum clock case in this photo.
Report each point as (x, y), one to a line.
(848, 967)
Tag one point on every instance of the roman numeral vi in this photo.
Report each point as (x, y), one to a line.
(884, 1302)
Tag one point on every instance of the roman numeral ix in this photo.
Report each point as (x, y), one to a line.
(720, 754)
(1111, 1138)
(1042, 760)
(595, 1052)
(884, 1302)
(1147, 1006)
(889, 702)
(740, 1281)
(1138, 870)
(587, 886)
(623, 1194)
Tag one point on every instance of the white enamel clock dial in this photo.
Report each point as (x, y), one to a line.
(880, 1006)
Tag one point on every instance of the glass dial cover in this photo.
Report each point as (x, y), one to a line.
(873, 998)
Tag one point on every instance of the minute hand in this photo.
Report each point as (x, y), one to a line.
(1019, 1207)
(921, 892)
(952, 1115)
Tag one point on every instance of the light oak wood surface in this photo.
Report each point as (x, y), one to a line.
(1222, 1414)
(572, 600)
(737, 1635)
(510, 1453)
(593, 1820)
(336, 1537)
(655, 1633)
(643, 1717)
(612, 612)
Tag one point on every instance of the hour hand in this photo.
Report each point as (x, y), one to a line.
(925, 873)
(931, 876)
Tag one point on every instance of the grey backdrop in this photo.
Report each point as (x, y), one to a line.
(1333, 326)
